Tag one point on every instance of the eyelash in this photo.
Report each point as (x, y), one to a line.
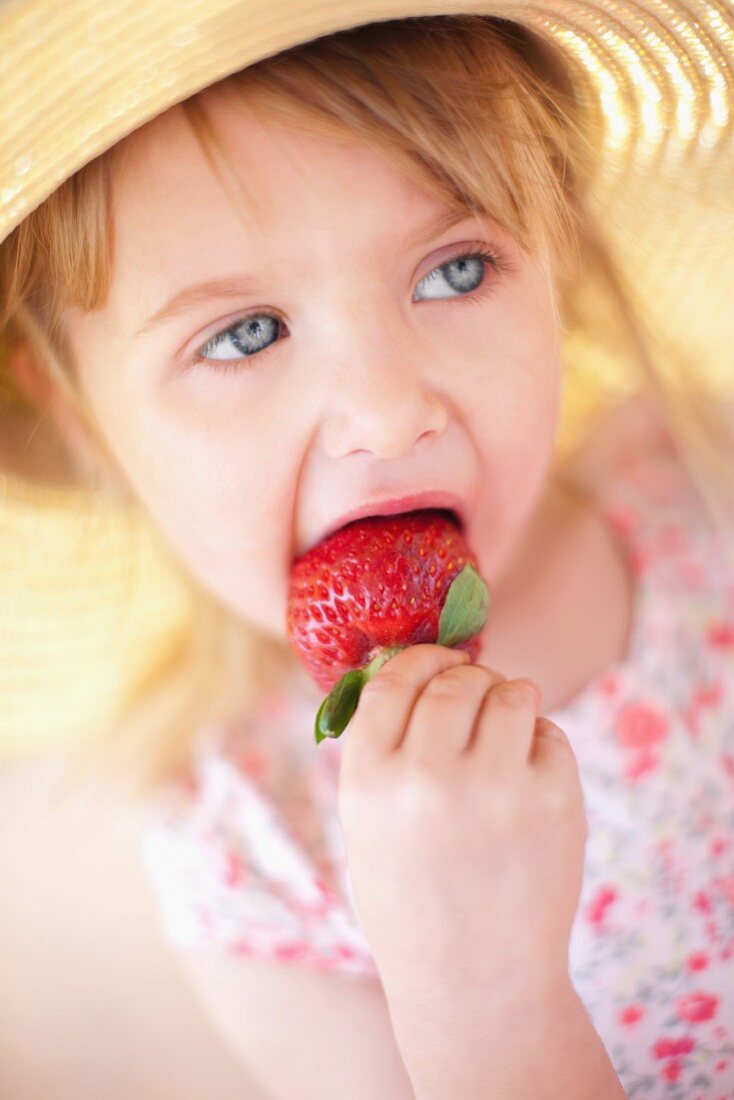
(234, 366)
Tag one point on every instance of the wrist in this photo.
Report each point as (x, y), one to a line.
(516, 1043)
(505, 1000)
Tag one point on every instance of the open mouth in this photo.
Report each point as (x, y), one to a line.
(448, 513)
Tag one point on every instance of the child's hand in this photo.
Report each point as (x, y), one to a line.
(465, 851)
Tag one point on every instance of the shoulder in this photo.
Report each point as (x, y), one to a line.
(624, 432)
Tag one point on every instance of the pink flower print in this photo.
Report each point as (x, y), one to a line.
(666, 1048)
(314, 907)
(709, 695)
(631, 1014)
(609, 685)
(702, 902)
(690, 716)
(721, 1066)
(712, 931)
(728, 949)
(726, 886)
(728, 762)
(697, 1007)
(242, 947)
(719, 845)
(639, 763)
(234, 870)
(697, 960)
(720, 635)
(671, 1071)
(289, 951)
(597, 907)
(641, 726)
(321, 886)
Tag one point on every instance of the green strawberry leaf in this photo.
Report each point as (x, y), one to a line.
(464, 612)
(336, 710)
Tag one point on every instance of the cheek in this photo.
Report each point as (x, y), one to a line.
(210, 478)
(512, 346)
(228, 524)
(513, 416)
(512, 388)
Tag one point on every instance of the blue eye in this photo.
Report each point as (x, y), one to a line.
(256, 333)
(248, 337)
(464, 274)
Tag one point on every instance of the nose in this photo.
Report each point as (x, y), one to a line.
(377, 401)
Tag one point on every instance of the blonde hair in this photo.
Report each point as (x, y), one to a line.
(480, 113)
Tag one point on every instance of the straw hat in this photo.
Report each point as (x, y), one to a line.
(90, 601)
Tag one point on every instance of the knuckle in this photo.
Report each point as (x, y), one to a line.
(403, 667)
(386, 682)
(457, 678)
(516, 693)
(448, 682)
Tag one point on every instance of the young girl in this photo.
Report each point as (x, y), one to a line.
(338, 277)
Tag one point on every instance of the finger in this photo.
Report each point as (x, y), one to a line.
(554, 764)
(387, 699)
(445, 713)
(505, 727)
(550, 747)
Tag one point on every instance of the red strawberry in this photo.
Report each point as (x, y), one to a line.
(371, 589)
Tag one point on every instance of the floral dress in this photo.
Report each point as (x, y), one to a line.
(245, 853)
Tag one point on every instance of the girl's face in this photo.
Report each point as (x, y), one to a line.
(256, 381)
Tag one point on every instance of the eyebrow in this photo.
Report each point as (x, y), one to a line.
(236, 286)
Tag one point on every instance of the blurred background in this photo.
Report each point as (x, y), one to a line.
(80, 955)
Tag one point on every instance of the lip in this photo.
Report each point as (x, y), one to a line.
(389, 506)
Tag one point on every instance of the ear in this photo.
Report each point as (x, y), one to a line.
(49, 400)
(24, 372)
(42, 392)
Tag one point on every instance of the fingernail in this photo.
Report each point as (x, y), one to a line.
(555, 731)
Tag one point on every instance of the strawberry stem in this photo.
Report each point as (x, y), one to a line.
(377, 662)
